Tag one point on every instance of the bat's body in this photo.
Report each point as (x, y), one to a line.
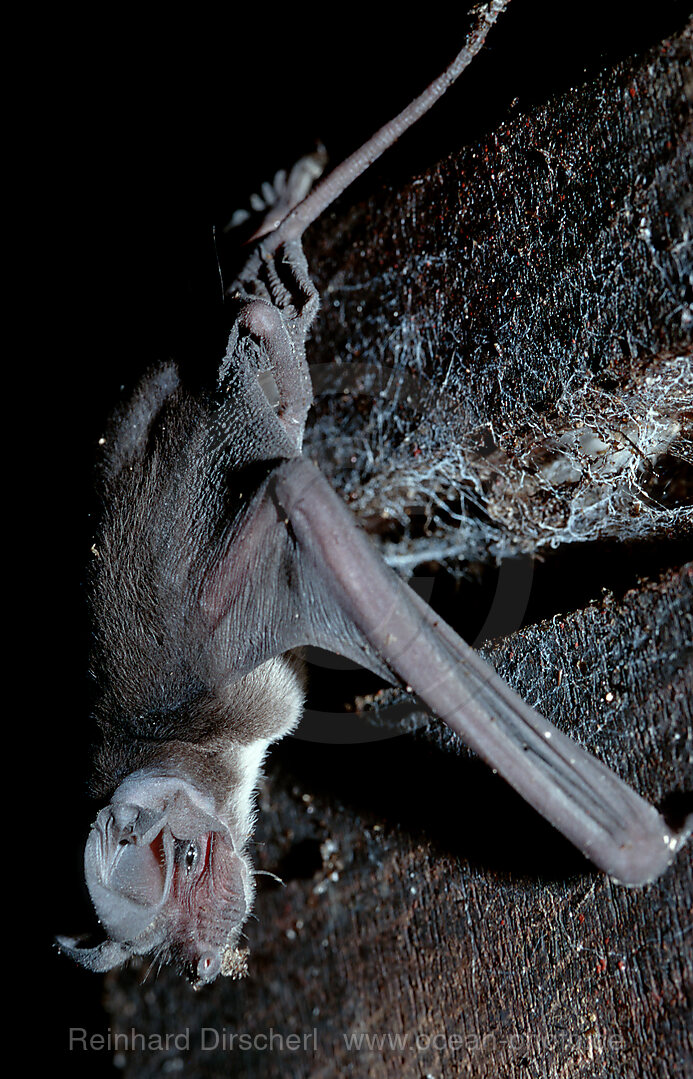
(222, 551)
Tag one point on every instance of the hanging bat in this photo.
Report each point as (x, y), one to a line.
(221, 553)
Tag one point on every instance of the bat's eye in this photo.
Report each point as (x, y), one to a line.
(191, 856)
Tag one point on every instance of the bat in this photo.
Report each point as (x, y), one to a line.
(222, 552)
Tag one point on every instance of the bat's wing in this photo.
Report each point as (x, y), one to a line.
(303, 572)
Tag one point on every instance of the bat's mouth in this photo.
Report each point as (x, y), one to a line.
(219, 879)
(211, 899)
(207, 850)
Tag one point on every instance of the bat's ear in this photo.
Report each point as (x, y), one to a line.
(128, 864)
(99, 958)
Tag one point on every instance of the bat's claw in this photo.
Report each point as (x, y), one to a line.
(278, 198)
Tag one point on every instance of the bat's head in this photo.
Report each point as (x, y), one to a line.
(165, 877)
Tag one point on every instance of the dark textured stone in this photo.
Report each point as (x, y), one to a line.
(504, 355)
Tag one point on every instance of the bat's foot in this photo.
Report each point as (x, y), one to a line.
(234, 963)
(278, 198)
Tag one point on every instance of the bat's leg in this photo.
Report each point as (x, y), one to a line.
(342, 572)
(287, 279)
(297, 220)
(279, 304)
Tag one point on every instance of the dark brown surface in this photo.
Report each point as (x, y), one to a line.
(506, 341)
